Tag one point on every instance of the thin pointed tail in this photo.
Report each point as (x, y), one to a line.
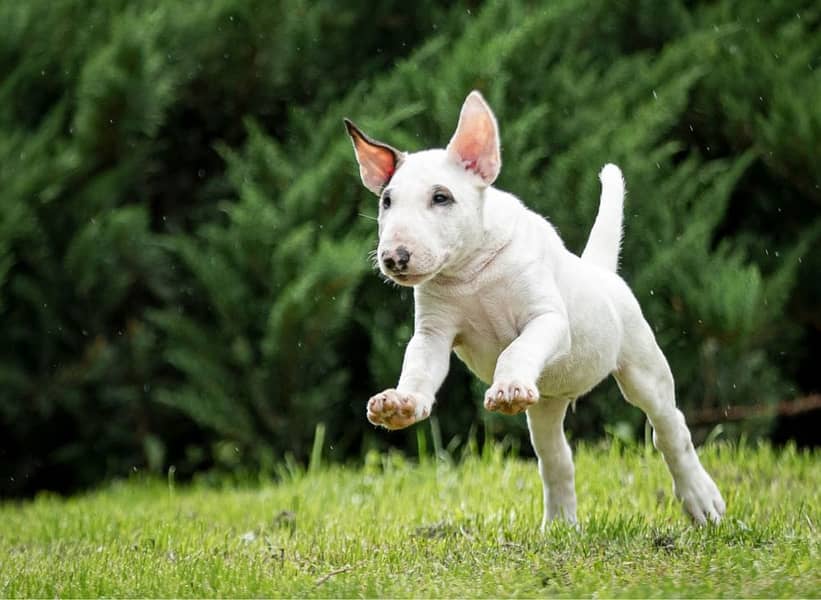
(604, 243)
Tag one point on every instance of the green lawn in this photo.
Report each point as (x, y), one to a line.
(395, 528)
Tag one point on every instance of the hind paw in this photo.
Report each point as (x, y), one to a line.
(701, 498)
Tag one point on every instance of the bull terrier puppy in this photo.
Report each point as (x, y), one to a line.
(493, 282)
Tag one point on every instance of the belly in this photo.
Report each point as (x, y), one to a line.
(593, 353)
(576, 374)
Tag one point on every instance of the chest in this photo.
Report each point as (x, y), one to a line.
(486, 327)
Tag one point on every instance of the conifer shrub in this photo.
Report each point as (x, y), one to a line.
(184, 273)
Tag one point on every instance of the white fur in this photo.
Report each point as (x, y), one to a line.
(494, 283)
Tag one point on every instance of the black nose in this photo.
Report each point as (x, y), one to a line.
(403, 255)
(396, 260)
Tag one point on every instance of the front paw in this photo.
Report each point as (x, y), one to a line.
(510, 397)
(395, 410)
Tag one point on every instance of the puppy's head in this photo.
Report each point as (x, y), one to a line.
(430, 202)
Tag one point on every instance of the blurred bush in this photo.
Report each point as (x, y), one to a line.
(183, 238)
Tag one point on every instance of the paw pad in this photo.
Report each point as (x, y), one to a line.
(394, 410)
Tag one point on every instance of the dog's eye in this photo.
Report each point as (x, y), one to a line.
(440, 197)
(386, 201)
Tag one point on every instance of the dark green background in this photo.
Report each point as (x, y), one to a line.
(183, 236)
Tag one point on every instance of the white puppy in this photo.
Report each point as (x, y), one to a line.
(493, 282)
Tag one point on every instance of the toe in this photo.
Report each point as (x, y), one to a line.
(375, 403)
(698, 518)
(406, 407)
(373, 418)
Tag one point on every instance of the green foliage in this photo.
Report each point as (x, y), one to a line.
(394, 528)
(111, 117)
(183, 238)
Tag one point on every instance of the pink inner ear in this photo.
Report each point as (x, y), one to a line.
(381, 160)
(475, 145)
(479, 156)
(377, 163)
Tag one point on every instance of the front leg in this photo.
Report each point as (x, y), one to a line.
(544, 339)
(427, 358)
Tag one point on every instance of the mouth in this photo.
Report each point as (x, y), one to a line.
(407, 279)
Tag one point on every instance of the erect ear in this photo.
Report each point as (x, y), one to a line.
(475, 145)
(377, 161)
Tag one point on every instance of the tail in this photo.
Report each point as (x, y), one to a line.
(604, 243)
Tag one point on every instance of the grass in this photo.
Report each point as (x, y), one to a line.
(397, 528)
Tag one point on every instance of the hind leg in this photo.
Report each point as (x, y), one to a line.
(545, 419)
(645, 380)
